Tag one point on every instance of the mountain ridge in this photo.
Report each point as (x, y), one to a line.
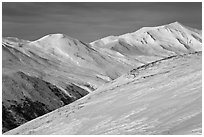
(109, 110)
(69, 69)
(163, 40)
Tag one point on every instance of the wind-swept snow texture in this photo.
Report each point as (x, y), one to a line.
(43, 75)
(163, 97)
(56, 69)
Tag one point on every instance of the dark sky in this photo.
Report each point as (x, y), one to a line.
(91, 21)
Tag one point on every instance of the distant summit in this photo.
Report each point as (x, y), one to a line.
(165, 40)
(43, 75)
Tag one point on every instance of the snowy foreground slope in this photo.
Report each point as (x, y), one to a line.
(43, 75)
(163, 97)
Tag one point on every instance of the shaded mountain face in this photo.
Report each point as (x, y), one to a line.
(163, 97)
(43, 75)
(69, 59)
(26, 97)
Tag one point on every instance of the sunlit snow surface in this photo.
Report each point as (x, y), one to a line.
(165, 40)
(164, 97)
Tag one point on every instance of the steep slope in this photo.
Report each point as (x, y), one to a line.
(161, 41)
(163, 97)
(78, 61)
(26, 97)
(58, 69)
(55, 69)
(25, 93)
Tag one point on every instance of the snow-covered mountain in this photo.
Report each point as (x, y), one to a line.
(67, 59)
(163, 97)
(51, 72)
(161, 41)
(42, 75)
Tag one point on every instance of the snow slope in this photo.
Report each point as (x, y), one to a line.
(43, 75)
(60, 69)
(163, 97)
(28, 91)
(78, 61)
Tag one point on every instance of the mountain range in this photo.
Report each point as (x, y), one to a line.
(110, 75)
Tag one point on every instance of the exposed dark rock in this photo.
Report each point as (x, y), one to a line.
(37, 97)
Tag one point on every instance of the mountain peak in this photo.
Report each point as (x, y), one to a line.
(55, 36)
(173, 38)
(57, 40)
(175, 24)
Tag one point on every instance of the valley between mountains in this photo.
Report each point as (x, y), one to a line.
(144, 82)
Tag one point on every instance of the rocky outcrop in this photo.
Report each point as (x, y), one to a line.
(26, 98)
